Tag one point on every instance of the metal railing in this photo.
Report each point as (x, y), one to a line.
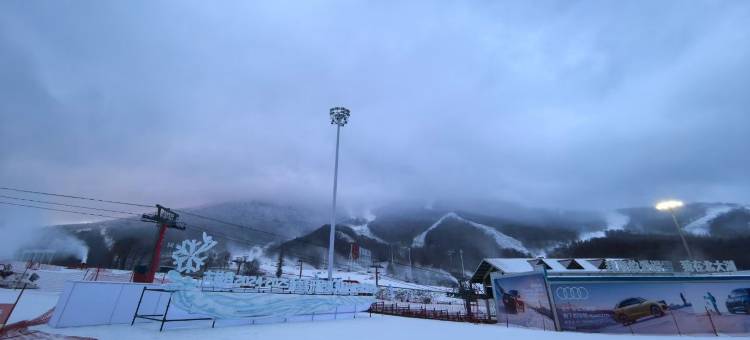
(422, 312)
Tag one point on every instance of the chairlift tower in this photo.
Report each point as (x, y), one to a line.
(165, 218)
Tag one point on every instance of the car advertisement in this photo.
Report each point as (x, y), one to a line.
(727, 303)
(653, 307)
(522, 300)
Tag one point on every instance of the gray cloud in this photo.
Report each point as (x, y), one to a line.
(559, 104)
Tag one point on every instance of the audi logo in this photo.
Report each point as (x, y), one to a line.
(572, 293)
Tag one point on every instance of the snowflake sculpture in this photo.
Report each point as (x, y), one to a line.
(187, 256)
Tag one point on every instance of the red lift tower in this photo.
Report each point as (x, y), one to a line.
(164, 218)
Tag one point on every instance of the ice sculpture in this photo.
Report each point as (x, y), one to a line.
(187, 257)
(297, 298)
(229, 305)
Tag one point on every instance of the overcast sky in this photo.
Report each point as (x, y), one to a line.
(565, 104)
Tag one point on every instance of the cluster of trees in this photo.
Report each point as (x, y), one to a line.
(732, 224)
(624, 244)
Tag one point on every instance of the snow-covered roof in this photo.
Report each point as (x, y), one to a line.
(511, 265)
(523, 265)
(590, 264)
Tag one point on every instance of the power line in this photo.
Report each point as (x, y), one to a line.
(278, 237)
(422, 268)
(223, 235)
(61, 210)
(249, 242)
(248, 228)
(118, 211)
(76, 197)
(213, 232)
(409, 283)
(70, 205)
(213, 219)
(246, 241)
(416, 286)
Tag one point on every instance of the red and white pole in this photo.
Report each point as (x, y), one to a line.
(156, 259)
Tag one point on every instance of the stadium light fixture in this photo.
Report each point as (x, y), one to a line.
(669, 205)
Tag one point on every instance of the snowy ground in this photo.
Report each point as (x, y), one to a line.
(376, 328)
(36, 302)
(33, 302)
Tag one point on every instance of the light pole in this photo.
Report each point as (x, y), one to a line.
(339, 117)
(670, 206)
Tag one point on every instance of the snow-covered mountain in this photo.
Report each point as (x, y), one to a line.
(701, 219)
(702, 225)
(432, 236)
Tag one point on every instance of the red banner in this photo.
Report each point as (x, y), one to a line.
(355, 251)
(5, 309)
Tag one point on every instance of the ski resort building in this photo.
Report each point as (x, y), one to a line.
(505, 266)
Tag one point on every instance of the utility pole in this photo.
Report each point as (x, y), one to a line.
(280, 262)
(300, 268)
(339, 117)
(166, 219)
(463, 271)
(391, 255)
(351, 255)
(377, 274)
(450, 256)
(411, 266)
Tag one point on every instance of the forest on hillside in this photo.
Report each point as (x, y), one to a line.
(623, 244)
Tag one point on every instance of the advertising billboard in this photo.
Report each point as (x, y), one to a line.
(522, 300)
(653, 305)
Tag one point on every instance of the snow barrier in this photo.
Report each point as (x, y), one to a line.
(86, 303)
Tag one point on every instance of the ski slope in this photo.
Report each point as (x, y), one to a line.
(702, 225)
(364, 230)
(615, 221)
(502, 240)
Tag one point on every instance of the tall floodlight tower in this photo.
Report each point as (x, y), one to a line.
(670, 206)
(339, 117)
